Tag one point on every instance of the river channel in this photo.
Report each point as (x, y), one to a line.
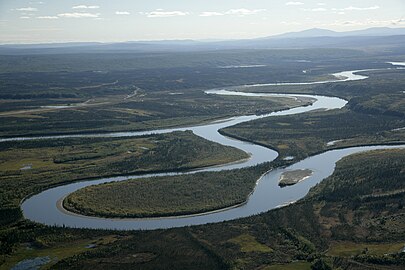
(45, 207)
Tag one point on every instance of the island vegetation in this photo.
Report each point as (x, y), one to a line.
(166, 196)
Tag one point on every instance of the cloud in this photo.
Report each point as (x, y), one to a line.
(48, 17)
(25, 17)
(294, 3)
(315, 9)
(237, 12)
(340, 11)
(244, 11)
(31, 9)
(368, 22)
(211, 13)
(361, 8)
(352, 8)
(291, 23)
(159, 13)
(79, 15)
(122, 13)
(85, 7)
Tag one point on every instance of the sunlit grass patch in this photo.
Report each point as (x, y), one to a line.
(248, 243)
(347, 249)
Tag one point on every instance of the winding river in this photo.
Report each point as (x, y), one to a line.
(45, 206)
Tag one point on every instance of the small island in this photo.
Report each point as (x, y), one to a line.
(293, 177)
(165, 196)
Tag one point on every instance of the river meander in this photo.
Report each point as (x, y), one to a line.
(45, 207)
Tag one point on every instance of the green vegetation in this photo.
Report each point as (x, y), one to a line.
(303, 135)
(347, 249)
(104, 62)
(121, 92)
(53, 162)
(323, 229)
(248, 243)
(352, 220)
(166, 196)
(369, 118)
(113, 111)
(57, 251)
(290, 266)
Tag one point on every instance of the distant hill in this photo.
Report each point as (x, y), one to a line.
(381, 38)
(317, 32)
(314, 32)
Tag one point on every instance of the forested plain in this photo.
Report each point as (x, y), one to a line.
(107, 95)
(375, 114)
(351, 220)
(31, 166)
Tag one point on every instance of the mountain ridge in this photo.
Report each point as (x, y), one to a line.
(382, 38)
(320, 32)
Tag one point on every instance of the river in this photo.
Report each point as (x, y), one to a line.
(45, 206)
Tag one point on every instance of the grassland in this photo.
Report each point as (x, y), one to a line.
(290, 266)
(166, 196)
(248, 243)
(58, 251)
(348, 249)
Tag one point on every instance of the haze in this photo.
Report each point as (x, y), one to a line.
(112, 21)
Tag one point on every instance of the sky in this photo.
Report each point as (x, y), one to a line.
(23, 21)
